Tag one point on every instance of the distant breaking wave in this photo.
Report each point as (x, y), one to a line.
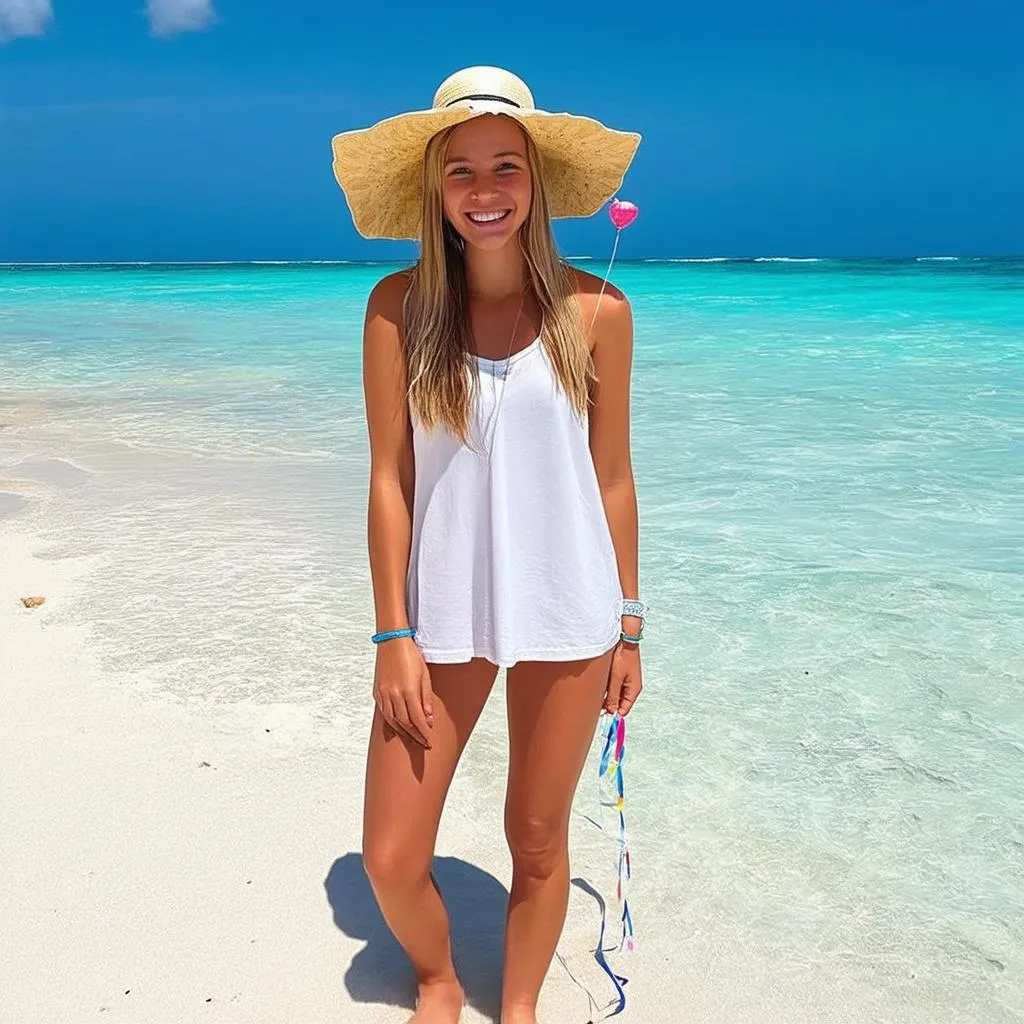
(928, 259)
(183, 264)
(738, 259)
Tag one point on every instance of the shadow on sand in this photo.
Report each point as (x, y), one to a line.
(380, 972)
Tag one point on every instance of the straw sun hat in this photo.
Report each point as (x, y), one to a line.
(380, 169)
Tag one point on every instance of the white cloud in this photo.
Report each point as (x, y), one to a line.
(24, 18)
(169, 17)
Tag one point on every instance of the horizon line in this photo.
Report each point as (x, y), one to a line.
(952, 258)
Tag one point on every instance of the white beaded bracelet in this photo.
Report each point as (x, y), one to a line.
(635, 608)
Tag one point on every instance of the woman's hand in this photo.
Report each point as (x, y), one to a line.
(625, 680)
(402, 690)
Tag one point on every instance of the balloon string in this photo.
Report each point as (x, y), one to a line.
(604, 283)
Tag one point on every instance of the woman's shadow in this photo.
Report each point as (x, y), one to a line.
(380, 972)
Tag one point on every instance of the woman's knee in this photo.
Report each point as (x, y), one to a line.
(391, 865)
(538, 845)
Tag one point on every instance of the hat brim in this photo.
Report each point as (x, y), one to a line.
(380, 169)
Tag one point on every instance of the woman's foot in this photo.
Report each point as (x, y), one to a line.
(439, 1002)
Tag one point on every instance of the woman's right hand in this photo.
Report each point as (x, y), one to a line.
(402, 690)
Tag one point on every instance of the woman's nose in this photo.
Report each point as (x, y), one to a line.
(484, 188)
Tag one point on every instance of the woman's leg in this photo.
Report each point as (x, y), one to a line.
(406, 786)
(552, 715)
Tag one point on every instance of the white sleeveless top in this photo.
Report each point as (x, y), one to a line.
(512, 559)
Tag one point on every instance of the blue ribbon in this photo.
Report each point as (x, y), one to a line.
(599, 953)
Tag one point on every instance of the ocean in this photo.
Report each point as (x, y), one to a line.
(825, 777)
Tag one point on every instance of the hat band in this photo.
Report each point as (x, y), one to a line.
(484, 96)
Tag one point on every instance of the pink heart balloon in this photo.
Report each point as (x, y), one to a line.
(622, 213)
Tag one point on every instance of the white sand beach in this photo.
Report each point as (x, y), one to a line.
(161, 865)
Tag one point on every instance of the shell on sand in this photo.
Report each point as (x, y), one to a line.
(32, 602)
(19, 485)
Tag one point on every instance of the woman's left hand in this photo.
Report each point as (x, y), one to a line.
(625, 679)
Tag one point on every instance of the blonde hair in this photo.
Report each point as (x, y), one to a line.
(437, 338)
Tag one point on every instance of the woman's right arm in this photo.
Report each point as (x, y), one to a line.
(401, 688)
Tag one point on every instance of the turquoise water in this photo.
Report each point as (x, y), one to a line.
(827, 769)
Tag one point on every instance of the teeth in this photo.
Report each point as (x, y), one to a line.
(484, 218)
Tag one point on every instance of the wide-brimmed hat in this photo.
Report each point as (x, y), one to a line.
(380, 169)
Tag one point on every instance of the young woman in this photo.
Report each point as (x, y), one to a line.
(502, 513)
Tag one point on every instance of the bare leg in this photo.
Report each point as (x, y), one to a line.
(406, 786)
(552, 714)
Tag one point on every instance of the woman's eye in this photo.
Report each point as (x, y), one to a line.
(508, 167)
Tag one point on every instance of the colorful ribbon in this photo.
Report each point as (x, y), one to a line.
(618, 1004)
(612, 793)
(610, 773)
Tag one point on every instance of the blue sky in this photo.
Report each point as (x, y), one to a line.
(200, 129)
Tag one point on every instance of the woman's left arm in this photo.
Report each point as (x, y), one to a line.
(610, 449)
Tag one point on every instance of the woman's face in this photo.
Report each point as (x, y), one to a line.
(487, 182)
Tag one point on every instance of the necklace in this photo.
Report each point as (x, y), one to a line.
(499, 397)
(512, 336)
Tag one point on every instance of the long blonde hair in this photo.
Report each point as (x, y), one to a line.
(437, 337)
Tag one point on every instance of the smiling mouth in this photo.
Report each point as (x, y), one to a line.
(491, 217)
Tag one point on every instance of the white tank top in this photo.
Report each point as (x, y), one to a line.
(512, 559)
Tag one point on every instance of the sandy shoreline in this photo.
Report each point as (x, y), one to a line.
(166, 865)
(141, 884)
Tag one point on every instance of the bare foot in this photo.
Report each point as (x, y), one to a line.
(439, 1002)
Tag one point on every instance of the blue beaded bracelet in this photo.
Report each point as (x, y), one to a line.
(392, 634)
(626, 638)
